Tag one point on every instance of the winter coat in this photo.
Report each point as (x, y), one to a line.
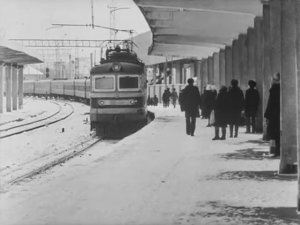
(272, 113)
(221, 109)
(155, 100)
(166, 95)
(174, 96)
(208, 100)
(235, 105)
(251, 102)
(190, 100)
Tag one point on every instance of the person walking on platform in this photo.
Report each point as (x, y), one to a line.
(166, 97)
(190, 100)
(221, 113)
(272, 113)
(155, 100)
(208, 102)
(235, 106)
(174, 97)
(251, 106)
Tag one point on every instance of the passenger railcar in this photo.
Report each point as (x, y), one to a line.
(68, 89)
(118, 93)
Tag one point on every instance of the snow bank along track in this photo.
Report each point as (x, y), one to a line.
(64, 111)
(27, 170)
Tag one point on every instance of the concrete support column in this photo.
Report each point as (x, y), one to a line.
(251, 53)
(216, 70)
(8, 72)
(201, 75)
(228, 65)
(198, 72)
(154, 74)
(1, 87)
(14, 77)
(235, 60)
(181, 80)
(275, 37)
(177, 74)
(20, 86)
(193, 71)
(205, 72)
(297, 8)
(243, 62)
(288, 86)
(210, 69)
(165, 66)
(266, 60)
(222, 66)
(258, 28)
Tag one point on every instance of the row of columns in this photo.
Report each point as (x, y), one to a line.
(258, 55)
(11, 83)
(272, 45)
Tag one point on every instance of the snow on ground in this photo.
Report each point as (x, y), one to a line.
(159, 175)
(33, 108)
(29, 150)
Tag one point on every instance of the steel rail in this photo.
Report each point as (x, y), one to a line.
(55, 162)
(39, 126)
(32, 122)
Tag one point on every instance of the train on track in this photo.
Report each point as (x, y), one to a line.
(116, 92)
(78, 89)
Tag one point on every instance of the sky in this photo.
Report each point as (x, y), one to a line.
(33, 19)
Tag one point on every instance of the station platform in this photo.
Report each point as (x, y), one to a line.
(160, 175)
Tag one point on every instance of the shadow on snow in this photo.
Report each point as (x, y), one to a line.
(219, 213)
(247, 154)
(254, 175)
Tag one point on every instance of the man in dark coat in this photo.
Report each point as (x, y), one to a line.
(221, 113)
(155, 100)
(272, 113)
(235, 106)
(251, 106)
(166, 97)
(190, 98)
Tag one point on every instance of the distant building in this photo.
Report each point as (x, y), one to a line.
(30, 73)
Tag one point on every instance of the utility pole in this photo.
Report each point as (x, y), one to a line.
(112, 20)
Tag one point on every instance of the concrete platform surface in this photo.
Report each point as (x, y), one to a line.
(160, 175)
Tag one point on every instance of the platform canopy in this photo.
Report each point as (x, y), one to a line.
(8, 55)
(196, 28)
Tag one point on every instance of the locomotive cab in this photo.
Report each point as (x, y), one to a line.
(118, 92)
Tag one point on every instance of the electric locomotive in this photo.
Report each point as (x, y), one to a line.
(118, 93)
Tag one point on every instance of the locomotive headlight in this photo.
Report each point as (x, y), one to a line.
(100, 102)
(133, 101)
(116, 67)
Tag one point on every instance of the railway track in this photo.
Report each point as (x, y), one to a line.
(28, 170)
(7, 125)
(65, 110)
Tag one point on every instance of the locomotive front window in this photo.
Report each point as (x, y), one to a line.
(104, 83)
(128, 82)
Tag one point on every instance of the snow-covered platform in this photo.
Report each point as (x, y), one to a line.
(160, 175)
